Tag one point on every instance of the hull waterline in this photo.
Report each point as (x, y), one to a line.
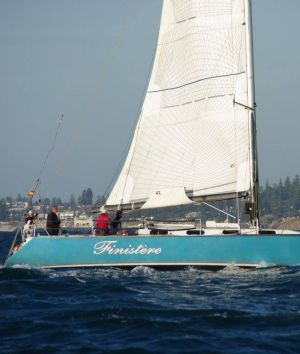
(158, 251)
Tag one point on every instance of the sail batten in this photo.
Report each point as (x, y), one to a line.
(192, 141)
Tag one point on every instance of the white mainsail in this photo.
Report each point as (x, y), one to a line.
(193, 139)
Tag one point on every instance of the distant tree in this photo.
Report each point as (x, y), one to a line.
(4, 213)
(47, 201)
(266, 196)
(9, 200)
(282, 199)
(86, 197)
(295, 193)
(89, 197)
(287, 188)
(83, 197)
(280, 190)
(56, 201)
(72, 201)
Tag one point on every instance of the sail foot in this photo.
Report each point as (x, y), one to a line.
(167, 197)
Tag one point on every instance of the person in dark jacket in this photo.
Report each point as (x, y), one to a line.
(53, 222)
(116, 223)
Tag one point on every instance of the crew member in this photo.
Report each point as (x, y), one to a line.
(30, 217)
(116, 224)
(28, 229)
(53, 222)
(103, 223)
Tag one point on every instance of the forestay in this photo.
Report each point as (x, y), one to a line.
(192, 139)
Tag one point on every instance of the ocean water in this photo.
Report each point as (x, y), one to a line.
(147, 311)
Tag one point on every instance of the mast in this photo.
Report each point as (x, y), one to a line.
(254, 206)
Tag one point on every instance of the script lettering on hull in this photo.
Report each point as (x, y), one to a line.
(111, 247)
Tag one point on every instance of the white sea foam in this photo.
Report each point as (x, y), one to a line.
(233, 268)
(80, 280)
(143, 270)
(23, 266)
(264, 264)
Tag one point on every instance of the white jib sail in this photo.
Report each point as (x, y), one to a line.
(192, 138)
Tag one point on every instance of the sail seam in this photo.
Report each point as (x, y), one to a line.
(194, 82)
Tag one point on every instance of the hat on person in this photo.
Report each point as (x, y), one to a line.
(30, 212)
(103, 210)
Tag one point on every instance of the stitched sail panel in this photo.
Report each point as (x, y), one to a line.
(191, 135)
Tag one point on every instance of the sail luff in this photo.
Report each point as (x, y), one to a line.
(118, 193)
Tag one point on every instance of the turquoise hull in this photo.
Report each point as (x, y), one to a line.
(126, 251)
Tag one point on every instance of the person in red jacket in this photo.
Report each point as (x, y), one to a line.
(103, 223)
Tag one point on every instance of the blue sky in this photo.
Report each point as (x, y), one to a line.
(91, 60)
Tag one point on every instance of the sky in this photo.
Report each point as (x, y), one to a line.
(90, 61)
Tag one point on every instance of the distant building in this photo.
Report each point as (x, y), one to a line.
(83, 221)
(192, 215)
(66, 215)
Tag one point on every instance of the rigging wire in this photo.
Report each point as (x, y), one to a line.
(38, 181)
(52, 146)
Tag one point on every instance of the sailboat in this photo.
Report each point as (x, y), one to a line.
(194, 142)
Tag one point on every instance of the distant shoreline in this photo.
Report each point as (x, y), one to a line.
(8, 227)
(11, 227)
